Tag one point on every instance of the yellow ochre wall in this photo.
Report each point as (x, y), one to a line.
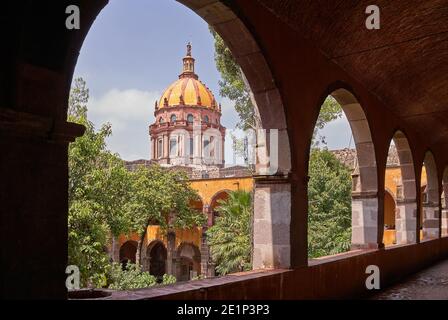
(208, 188)
(393, 176)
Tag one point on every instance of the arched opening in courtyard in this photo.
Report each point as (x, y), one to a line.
(430, 199)
(342, 190)
(401, 186)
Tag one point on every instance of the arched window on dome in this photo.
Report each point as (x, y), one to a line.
(173, 147)
(159, 148)
(190, 118)
(206, 119)
(161, 120)
(173, 118)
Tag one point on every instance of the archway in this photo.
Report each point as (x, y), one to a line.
(128, 252)
(429, 214)
(188, 262)
(404, 186)
(269, 107)
(390, 208)
(361, 164)
(215, 203)
(365, 180)
(157, 256)
(444, 200)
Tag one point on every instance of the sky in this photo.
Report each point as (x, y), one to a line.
(133, 52)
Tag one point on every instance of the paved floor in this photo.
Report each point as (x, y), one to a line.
(430, 284)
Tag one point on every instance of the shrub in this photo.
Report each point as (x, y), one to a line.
(132, 277)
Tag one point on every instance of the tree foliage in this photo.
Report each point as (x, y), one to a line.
(229, 238)
(132, 277)
(106, 199)
(329, 211)
(233, 85)
(329, 111)
(163, 197)
(88, 222)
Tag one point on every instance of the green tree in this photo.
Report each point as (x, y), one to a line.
(329, 210)
(229, 238)
(88, 223)
(132, 277)
(162, 197)
(329, 111)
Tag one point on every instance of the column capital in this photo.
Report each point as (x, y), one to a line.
(272, 179)
(30, 125)
(364, 194)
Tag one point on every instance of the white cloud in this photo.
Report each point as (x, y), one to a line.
(130, 112)
(130, 104)
(338, 134)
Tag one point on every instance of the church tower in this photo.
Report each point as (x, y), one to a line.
(187, 129)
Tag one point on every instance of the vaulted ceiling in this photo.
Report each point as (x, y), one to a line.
(405, 63)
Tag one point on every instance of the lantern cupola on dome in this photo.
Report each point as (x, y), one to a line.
(188, 90)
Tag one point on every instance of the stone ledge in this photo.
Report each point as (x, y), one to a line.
(199, 285)
(272, 179)
(30, 125)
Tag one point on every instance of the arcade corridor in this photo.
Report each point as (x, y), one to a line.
(391, 82)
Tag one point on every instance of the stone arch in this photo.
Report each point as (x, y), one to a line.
(156, 259)
(444, 201)
(128, 251)
(430, 212)
(219, 195)
(275, 145)
(406, 219)
(188, 258)
(214, 203)
(365, 176)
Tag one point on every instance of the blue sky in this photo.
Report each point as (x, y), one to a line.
(133, 52)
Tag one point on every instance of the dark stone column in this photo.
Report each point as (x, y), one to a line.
(34, 205)
(171, 266)
(444, 222)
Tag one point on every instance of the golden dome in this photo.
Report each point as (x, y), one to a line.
(188, 90)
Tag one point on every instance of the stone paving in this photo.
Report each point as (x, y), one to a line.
(430, 284)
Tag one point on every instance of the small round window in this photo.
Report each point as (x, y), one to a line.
(173, 118)
(190, 118)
